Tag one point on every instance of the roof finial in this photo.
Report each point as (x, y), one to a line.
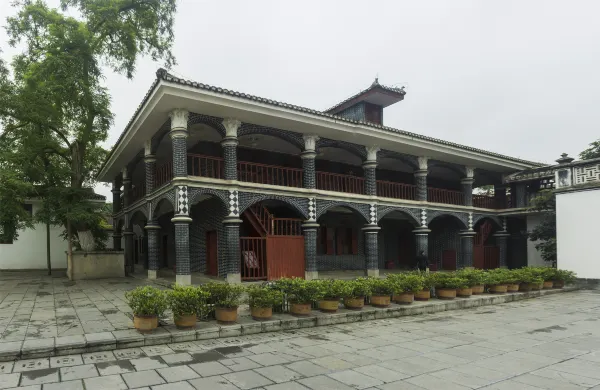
(565, 159)
(376, 82)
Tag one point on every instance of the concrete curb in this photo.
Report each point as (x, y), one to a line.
(128, 338)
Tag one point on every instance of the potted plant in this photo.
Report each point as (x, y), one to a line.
(261, 300)
(186, 302)
(446, 285)
(405, 287)
(496, 281)
(528, 278)
(562, 277)
(428, 283)
(381, 291)
(536, 277)
(354, 293)
(513, 280)
(475, 279)
(548, 274)
(147, 304)
(301, 294)
(226, 298)
(331, 292)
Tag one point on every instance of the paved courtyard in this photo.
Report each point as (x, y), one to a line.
(549, 343)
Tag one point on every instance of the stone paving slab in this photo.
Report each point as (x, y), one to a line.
(127, 337)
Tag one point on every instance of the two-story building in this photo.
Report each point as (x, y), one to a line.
(220, 182)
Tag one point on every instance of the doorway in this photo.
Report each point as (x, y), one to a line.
(212, 267)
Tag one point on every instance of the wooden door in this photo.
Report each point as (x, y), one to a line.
(285, 257)
(449, 259)
(212, 265)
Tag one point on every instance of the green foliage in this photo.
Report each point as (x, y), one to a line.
(545, 232)
(474, 277)
(428, 280)
(529, 275)
(406, 282)
(357, 288)
(262, 297)
(146, 301)
(592, 152)
(450, 280)
(381, 286)
(564, 276)
(331, 289)
(302, 291)
(188, 300)
(497, 276)
(224, 294)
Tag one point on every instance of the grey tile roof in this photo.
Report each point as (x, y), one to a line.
(375, 84)
(163, 75)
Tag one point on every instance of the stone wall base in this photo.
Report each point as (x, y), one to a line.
(96, 265)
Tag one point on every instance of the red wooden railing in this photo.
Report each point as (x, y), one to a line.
(340, 183)
(484, 201)
(286, 227)
(438, 195)
(163, 175)
(389, 189)
(205, 166)
(253, 258)
(138, 191)
(269, 174)
(263, 216)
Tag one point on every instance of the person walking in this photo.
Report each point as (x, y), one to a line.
(422, 261)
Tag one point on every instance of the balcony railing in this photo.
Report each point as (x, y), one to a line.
(485, 201)
(138, 191)
(205, 166)
(164, 174)
(389, 189)
(269, 174)
(438, 195)
(340, 183)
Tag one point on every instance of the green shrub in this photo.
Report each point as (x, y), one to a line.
(357, 288)
(187, 300)
(146, 301)
(302, 291)
(381, 286)
(224, 295)
(263, 297)
(475, 277)
(331, 289)
(406, 282)
(450, 280)
(563, 275)
(498, 276)
(529, 275)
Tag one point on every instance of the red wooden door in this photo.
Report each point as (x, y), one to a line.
(212, 266)
(449, 259)
(285, 257)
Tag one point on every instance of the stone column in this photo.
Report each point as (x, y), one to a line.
(371, 250)
(421, 179)
(183, 275)
(309, 179)
(179, 133)
(150, 162)
(229, 145)
(466, 249)
(126, 189)
(502, 241)
(116, 191)
(128, 233)
(153, 232)
(370, 168)
(467, 185)
(232, 249)
(422, 240)
(521, 195)
(309, 229)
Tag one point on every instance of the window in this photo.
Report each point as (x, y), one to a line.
(338, 241)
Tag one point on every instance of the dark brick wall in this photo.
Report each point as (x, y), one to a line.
(341, 262)
(207, 216)
(166, 229)
(444, 235)
(355, 112)
(396, 243)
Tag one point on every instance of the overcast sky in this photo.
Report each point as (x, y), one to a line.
(514, 77)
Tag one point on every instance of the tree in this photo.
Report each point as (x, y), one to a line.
(54, 101)
(545, 232)
(592, 152)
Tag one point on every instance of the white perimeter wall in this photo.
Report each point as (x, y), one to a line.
(534, 258)
(578, 238)
(29, 250)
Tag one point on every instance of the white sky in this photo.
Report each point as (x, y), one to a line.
(513, 77)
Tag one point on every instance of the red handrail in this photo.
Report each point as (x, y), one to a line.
(269, 174)
(286, 227)
(389, 189)
(138, 191)
(340, 183)
(205, 166)
(439, 195)
(253, 257)
(484, 201)
(163, 174)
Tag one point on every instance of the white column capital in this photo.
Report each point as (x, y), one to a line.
(124, 172)
(148, 148)
(422, 161)
(179, 119)
(469, 172)
(231, 127)
(372, 152)
(310, 142)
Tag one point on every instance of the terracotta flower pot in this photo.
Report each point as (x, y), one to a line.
(354, 303)
(145, 323)
(380, 300)
(300, 309)
(498, 289)
(226, 315)
(464, 292)
(445, 293)
(405, 298)
(512, 287)
(536, 286)
(558, 284)
(476, 290)
(329, 306)
(261, 313)
(524, 287)
(423, 295)
(186, 321)
(548, 284)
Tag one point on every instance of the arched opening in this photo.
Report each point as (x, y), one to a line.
(271, 241)
(486, 254)
(140, 241)
(207, 236)
(444, 242)
(340, 241)
(397, 246)
(163, 213)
